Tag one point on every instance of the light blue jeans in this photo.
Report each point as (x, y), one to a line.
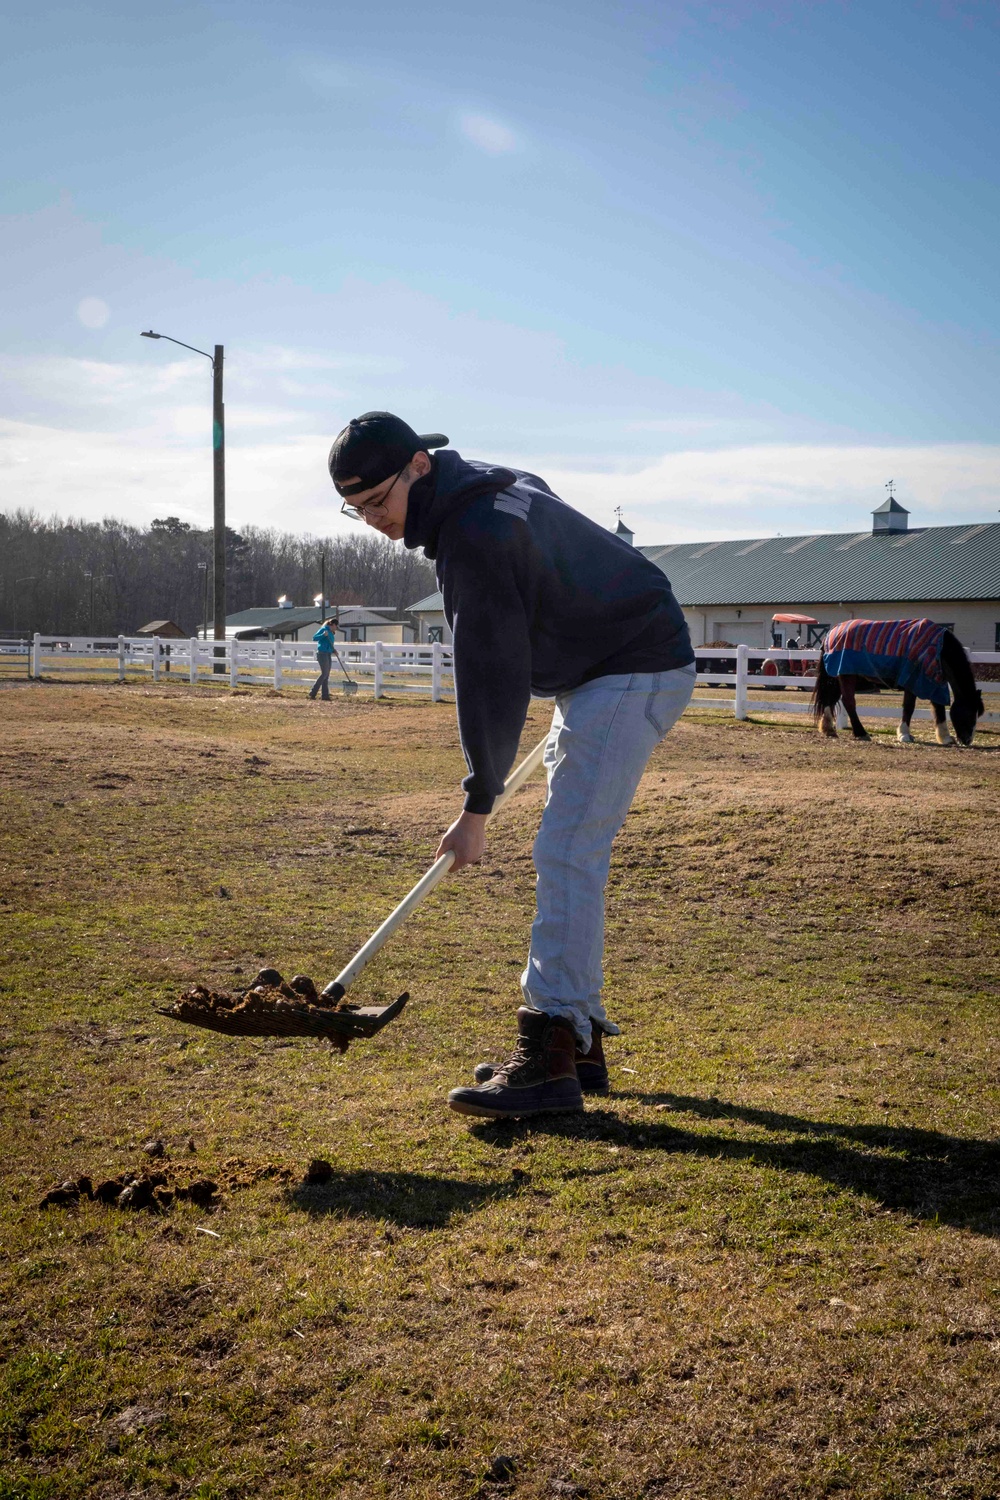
(602, 735)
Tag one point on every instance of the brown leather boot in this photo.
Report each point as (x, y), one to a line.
(591, 1067)
(539, 1078)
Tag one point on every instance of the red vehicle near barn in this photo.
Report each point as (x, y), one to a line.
(806, 631)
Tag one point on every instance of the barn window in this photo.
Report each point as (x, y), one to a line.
(436, 633)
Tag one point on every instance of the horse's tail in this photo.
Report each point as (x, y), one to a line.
(826, 693)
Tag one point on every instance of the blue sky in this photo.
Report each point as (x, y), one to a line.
(730, 266)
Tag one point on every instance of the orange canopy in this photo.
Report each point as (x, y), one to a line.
(793, 620)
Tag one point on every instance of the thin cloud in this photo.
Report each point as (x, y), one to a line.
(161, 467)
(328, 77)
(89, 475)
(267, 386)
(489, 134)
(758, 490)
(273, 358)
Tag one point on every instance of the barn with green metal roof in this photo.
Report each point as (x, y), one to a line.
(730, 590)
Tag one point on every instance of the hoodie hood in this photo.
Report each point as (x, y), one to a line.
(451, 484)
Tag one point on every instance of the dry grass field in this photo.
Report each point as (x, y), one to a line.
(767, 1266)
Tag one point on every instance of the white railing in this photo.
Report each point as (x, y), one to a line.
(396, 669)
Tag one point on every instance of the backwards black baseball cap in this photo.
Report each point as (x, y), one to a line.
(374, 446)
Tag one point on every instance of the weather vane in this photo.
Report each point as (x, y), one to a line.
(618, 512)
(889, 487)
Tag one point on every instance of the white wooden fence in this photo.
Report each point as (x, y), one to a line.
(389, 669)
(396, 670)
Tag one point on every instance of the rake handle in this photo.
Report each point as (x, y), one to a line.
(438, 870)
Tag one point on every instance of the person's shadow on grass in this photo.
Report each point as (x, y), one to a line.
(414, 1200)
(948, 1179)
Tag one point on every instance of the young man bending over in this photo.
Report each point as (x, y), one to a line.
(540, 601)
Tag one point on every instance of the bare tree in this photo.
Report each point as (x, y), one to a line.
(109, 577)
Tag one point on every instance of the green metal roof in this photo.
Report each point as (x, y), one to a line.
(266, 619)
(432, 602)
(932, 563)
(272, 617)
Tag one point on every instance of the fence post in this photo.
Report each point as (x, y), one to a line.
(156, 658)
(740, 702)
(277, 664)
(378, 669)
(121, 658)
(35, 664)
(234, 666)
(193, 663)
(436, 672)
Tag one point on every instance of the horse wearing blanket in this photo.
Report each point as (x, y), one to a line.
(917, 657)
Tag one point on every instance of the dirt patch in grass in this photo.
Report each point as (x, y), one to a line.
(766, 1266)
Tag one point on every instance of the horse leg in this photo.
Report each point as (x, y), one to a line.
(941, 731)
(826, 696)
(903, 732)
(850, 704)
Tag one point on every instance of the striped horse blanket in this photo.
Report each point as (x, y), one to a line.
(902, 654)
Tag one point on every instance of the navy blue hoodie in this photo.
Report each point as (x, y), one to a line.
(539, 599)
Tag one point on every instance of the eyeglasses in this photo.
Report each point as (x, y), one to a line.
(360, 512)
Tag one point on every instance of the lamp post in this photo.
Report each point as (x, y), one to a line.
(93, 578)
(91, 617)
(203, 570)
(30, 578)
(218, 478)
(322, 587)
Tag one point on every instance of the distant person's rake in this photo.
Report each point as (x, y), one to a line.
(349, 685)
(273, 1008)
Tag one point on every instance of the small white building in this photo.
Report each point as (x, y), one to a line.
(355, 622)
(431, 623)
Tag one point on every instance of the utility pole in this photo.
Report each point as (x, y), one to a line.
(219, 493)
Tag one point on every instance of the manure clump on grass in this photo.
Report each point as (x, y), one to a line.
(155, 1191)
(151, 1192)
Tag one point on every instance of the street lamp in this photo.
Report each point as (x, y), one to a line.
(203, 569)
(93, 577)
(218, 478)
(321, 597)
(30, 578)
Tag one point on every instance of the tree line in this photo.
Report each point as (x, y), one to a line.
(111, 578)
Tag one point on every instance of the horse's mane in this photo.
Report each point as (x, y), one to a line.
(957, 666)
